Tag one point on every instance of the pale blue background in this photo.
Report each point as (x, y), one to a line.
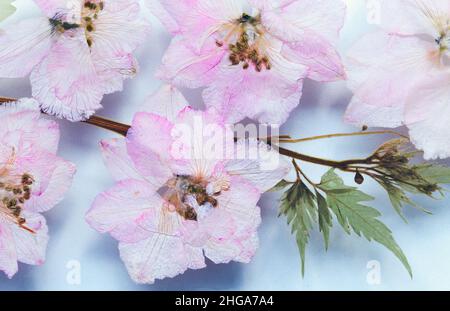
(425, 240)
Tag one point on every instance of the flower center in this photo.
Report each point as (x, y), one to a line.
(14, 192)
(247, 31)
(444, 43)
(89, 14)
(191, 197)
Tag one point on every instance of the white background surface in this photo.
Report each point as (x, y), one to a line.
(425, 240)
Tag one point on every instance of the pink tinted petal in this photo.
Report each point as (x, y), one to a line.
(382, 76)
(183, 67)
(8, 254)
(323, 61)
(260, 165)
(65, 90)
(266, 96)
(165, 16)
(159, 257)
(51, 185)
(240, 202)
(119, 211)
(117, 160)
(241, 244)
(198, 20)
(408, 17)
(51, 7)
(31, 247)
(21, 121)
(249, 247)
(113, 69)
(23, 46)
(119, 27)
(160, 129)
(290, 20)
(149, 144)
(167, 102)
(427, 115)
(193, 233)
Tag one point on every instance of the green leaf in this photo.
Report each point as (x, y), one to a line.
(399, 198)
(299, 206)
(281, 186)
(357, 217)
(325, 218)
(433, 173)
(6, 9)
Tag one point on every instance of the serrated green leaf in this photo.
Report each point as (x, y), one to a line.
(325, 218)
(283, 184)
(357, 217)
(438, 174)
(6, 9)
(399, 198)
(298, 205)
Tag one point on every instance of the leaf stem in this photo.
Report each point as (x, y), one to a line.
(328, 136)
(299, 172)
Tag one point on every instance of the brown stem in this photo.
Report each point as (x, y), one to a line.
(122, 129)
(301, 140)
(7, 100)
(116, 127)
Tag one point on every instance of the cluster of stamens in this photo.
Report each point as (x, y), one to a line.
(245, 51)
(89, 14)
(191, 196)
(14, 196)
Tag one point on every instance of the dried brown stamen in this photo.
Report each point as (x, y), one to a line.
(14, 196)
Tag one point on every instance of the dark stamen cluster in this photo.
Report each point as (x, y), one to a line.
(243, 51)
(188, 186)
(59, 26)
(15, 196)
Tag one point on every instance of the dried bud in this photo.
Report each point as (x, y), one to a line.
(359, 178)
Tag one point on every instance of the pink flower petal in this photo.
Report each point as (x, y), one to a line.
(117, 160)
(183, 67)
(53, 179)
(409, 17)
(245, 216)
(65, 90)
(23, 46)
(113, 69)
(150, 153)
(427, 115)
(31, 248)
(258, 164)
(119, 210)
(8, 254)
(267, 96)
(158, 257)
(382, 69)
(51, 7)
(119, 28)
(167, 102)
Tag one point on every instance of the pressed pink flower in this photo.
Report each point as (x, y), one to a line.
(174, 204)
(392, 69)
(79, 51)
(32, 180)
(251, 54)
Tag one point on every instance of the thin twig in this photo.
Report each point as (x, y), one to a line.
(328, 136)
(122, 129)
